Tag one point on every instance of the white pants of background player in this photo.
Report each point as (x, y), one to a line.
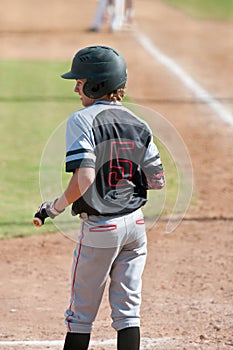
(116, 9)
(112, 247)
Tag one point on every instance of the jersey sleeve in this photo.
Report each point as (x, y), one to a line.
(79, 144)
(152, 167)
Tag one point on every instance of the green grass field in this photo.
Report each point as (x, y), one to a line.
(206, 9)
(34, 101)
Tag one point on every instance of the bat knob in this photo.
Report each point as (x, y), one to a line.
(40, 217)
(37, 222)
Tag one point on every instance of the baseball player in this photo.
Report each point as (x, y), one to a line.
(114, 162)
(118, 15)
(100, 14)
(129, 13)
(114, 10)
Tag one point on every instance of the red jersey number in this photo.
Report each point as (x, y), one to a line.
(120, 169)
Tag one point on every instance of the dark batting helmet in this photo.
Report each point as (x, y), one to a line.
(103, 67)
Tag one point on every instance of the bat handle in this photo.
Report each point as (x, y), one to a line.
(39, 218)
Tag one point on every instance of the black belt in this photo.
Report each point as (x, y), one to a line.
(84, 215)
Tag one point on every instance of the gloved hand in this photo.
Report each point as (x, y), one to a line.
(46, 209)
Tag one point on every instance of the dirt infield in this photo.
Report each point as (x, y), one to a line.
(187, 285)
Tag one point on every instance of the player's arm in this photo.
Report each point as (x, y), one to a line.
(152, 167)
(156, 181)
(81, 180)
(80, 161)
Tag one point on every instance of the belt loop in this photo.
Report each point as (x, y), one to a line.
(83, 216)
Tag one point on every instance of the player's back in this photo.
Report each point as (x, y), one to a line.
(120, 142)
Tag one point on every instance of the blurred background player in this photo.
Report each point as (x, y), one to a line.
(129, 13)
(100, 15)
(117, 13)
(117, 18)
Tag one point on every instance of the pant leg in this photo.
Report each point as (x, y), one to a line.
(100, 11)
(126, 281)
(118, 15)
(91, 268)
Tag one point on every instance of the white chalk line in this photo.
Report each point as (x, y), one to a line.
(186, 79)
(145, 342)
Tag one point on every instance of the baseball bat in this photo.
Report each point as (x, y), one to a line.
(40, 217)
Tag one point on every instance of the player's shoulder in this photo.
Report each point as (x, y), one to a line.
(133, 117)
(87, 113)
(103, 111)
(119, 112)
(83, 117)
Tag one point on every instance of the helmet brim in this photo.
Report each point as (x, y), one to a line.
(69, 75)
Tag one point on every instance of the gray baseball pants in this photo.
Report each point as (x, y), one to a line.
(112, 247)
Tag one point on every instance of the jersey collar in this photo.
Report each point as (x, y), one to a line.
(105, 102)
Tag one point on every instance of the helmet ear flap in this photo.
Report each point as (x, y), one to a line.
(93, 89)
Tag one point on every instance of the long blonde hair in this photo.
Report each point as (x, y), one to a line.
(117, 95)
